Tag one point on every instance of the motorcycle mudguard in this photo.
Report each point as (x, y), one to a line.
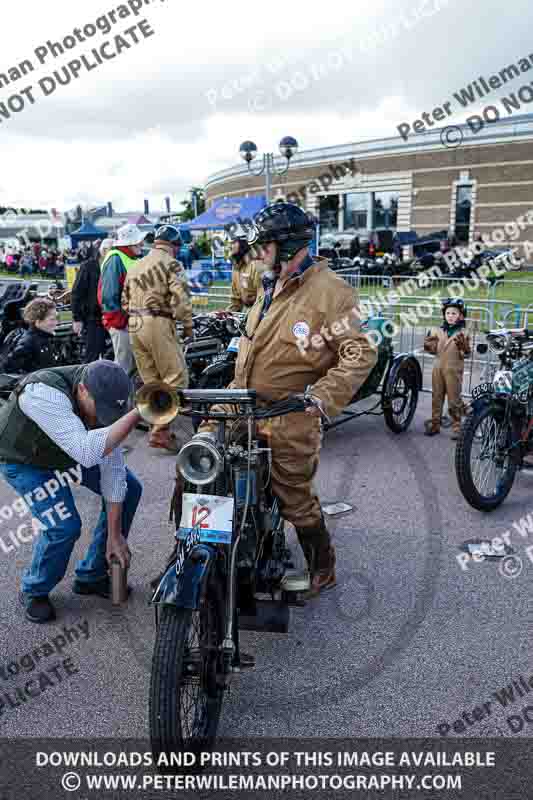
(486, 400)
(184, 590)
(479, 404)
(398, 362)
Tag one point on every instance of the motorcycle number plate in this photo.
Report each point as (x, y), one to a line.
(210, 516)
(483, 388)
(233, 346)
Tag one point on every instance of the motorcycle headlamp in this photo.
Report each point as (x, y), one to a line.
(199, 461)
(503, 381)
(497, 343)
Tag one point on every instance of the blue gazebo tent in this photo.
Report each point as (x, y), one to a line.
(226, 210)
(87, 233)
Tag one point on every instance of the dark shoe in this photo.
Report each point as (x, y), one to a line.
(101, 588)
(38, 609)
(431, 428)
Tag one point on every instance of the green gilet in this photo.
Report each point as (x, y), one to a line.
(127, 261)
(22, 441)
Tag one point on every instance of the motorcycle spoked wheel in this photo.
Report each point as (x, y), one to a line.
(400, 407)
(186, 686)
(477, 459)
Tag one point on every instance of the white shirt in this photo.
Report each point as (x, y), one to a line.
(52, 411)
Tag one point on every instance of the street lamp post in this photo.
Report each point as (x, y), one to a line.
(248, 151)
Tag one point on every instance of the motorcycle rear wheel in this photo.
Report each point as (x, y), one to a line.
(483, 430)
(186, 687)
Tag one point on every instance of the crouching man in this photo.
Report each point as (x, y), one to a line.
(70, 419)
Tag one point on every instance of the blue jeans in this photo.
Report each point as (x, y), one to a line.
(61, 526)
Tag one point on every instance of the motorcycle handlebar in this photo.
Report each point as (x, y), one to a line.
(294, 403)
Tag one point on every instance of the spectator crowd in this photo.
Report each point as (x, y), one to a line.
(42, 260)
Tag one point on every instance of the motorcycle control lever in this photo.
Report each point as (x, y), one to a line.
(314, 401)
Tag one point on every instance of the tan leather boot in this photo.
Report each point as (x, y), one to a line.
(320, 556)
(325, 576)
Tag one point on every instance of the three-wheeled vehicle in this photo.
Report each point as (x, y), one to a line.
(395, 380)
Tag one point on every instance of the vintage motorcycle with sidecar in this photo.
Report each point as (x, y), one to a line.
(396, 380)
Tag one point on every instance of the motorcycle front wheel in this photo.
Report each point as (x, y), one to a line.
(186, 687)
(485, 470)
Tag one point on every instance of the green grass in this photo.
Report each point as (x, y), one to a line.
(5, 274)
(513, 289)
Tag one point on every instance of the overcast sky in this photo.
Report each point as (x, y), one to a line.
(172, 109)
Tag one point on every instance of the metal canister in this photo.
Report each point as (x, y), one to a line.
(119, 583)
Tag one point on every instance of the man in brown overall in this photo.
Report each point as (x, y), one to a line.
(246, 276)
(302, 331)
(156, 296)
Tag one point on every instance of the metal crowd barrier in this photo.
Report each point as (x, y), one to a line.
(482, 316)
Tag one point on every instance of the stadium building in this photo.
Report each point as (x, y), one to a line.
(443, 179)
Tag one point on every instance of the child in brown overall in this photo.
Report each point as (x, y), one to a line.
(450, 344)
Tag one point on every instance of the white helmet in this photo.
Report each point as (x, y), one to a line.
(129, 235)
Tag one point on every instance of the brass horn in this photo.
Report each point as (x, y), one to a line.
(157, 403)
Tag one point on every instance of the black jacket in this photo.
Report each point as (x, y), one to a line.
(34, 350)
(355, 247)
(85, 305)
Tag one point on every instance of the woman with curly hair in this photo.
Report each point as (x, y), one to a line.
(34, 350)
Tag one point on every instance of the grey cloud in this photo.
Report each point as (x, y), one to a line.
(424, 64)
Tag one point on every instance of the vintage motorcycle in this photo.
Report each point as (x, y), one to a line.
(15, 295)
(211, 354)
(498, 432)
(231, 568)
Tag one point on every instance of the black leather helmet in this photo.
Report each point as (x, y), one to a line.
(454, 302)
(287, 225)
(282, 222)
(168, 233)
